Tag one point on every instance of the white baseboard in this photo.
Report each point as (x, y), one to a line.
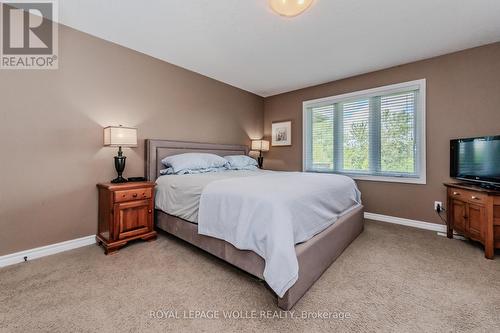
(406, 222)
(43, 251)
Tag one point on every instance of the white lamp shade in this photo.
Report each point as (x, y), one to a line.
(260, 145)
(118, 136)
(289, 7)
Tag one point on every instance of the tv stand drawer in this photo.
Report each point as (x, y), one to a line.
(469, 196)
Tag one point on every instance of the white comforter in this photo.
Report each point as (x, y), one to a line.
(270, 213)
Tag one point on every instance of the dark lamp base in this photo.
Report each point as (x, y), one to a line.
(119, 180)
(260, 161)
(119, 166)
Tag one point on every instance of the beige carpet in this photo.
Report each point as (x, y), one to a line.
(391, 279)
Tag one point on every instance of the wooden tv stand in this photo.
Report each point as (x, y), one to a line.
(474, 212)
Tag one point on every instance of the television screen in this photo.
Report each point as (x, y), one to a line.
(476, 159)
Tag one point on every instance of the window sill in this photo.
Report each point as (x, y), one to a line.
(405, 180)
(419, 181)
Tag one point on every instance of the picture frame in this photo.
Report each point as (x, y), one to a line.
(282, 133)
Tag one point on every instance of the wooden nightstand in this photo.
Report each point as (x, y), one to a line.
(126, 212)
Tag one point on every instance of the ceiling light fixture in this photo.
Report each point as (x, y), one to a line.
(289, 7)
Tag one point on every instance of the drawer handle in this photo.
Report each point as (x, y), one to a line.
(149, 211)
(134, 195)
(456, 193)
(475, 198)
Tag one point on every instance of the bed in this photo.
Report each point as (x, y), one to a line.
(314, 256)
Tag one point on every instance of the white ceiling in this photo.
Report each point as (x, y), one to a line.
(243, 43)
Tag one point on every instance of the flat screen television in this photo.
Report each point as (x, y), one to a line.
(476, 160)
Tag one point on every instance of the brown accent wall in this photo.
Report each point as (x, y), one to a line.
(463, 100)
(51, 128)
(51, 131)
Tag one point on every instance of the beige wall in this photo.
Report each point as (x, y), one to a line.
(51, 131)
(463, 100)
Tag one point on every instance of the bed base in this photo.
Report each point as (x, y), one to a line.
(314, 256)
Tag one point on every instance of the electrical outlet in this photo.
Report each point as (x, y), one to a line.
(436, 203)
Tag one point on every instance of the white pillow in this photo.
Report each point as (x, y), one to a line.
(241, 162)
(193, 161)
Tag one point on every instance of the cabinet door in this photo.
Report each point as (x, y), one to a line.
(132, 218)
(476, 221)
(458, 214)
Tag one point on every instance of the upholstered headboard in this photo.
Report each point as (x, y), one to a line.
(156, 150)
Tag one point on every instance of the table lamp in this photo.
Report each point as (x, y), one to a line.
(119, 136)
(260, 146)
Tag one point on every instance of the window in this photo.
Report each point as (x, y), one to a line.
(375, 134)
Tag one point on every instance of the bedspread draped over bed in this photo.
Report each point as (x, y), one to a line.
(271, 213)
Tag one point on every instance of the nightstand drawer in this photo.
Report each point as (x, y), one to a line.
(136, 194)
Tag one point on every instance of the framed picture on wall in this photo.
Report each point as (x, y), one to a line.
(282, 133)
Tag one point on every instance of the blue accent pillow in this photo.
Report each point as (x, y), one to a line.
(170, 171)
(193, 161)
(241, 162)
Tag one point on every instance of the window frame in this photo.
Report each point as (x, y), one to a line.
(420, 132)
